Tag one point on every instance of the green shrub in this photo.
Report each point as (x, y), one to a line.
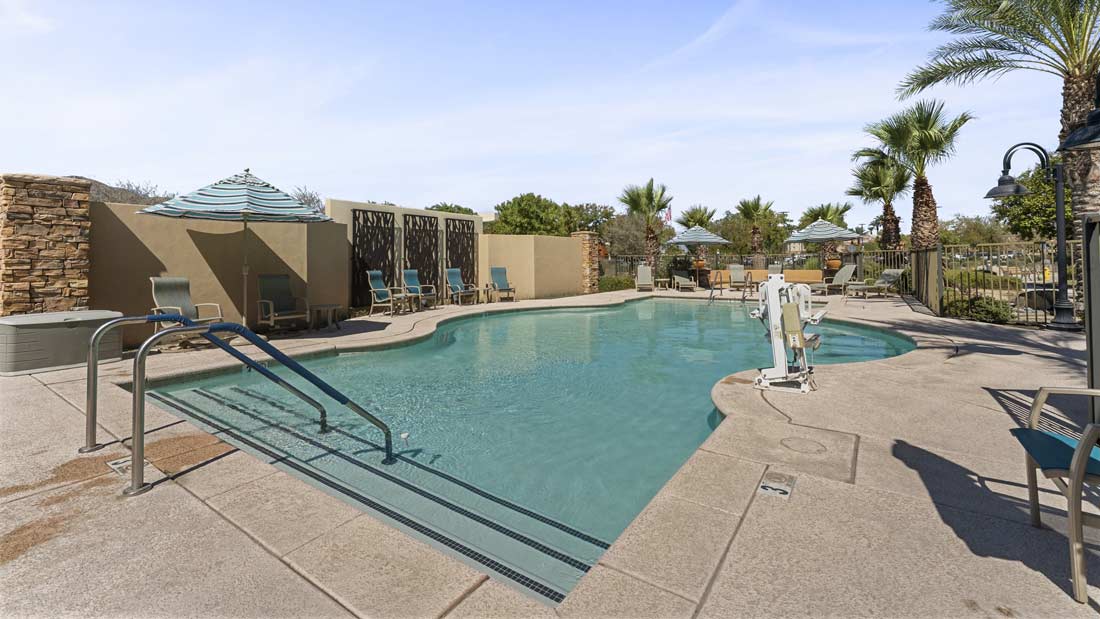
(963, 278)
(609, 283)
(983, 309)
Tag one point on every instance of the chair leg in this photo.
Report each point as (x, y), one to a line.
(1077, 564)
(1033, 492)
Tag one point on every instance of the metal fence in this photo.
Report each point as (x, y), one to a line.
(627, 265)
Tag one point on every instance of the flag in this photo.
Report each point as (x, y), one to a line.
(668, 214)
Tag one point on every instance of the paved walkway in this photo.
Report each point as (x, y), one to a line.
(907, 500)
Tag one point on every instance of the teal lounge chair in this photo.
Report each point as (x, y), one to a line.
(277, 303)
(1069, 464)
(413, 289)
(172, 295)
(886, 281)
(644, 279)
(838, 281)
(457, 289)
(382, 296)
(500, 282)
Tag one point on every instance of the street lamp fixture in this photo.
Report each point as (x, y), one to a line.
(1064, 318)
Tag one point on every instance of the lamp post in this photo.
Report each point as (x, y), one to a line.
(1007, 186)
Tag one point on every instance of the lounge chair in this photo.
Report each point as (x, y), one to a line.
(1069, 464)
(644, 279)
(882, 285)
(738, 275)
(172, 295)
(277, 304)
(501, 284)
(682, 282)
(457, 289)
(382, 296)
(413, 289)
(838, 281)
(775, 269)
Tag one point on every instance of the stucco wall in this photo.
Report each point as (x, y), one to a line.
(539, 267)
(127, 249)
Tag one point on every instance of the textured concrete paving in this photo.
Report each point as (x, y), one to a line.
(907, 499)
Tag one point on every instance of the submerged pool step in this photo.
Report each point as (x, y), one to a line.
(540, 554)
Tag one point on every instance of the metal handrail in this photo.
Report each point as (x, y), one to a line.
(91, 398)
(137, 447)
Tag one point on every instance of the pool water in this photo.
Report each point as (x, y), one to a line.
(534, 438)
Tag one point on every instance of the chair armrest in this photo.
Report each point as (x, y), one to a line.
(166, 309)
(1044, 392)
(1079, 464)
(266, 308)
(217, 308)
(397, 290)
(428, 286)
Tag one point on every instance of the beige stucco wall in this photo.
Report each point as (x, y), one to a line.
(539, 267)
(127, 249)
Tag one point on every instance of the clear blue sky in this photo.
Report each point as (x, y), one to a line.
(421, 102)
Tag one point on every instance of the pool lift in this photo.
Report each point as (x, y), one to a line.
(784, 309)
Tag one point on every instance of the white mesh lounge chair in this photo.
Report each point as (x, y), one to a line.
(836, 282)
(644, 279)
(886, 281)
(681, 282)
(277, 304)
(172, 295)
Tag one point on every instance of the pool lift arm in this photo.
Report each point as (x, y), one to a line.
(784, 309)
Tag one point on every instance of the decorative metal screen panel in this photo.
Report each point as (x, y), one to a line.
(422, 247)
(462, 248)
(374, 248)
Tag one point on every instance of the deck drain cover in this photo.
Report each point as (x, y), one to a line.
(776, 484)
(120, 466)
(803, 445)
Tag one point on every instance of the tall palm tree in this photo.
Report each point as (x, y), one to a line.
(1059, 37)
(697, 215)
(882, 181)
(917, 138)
(756, 211)
(648, 201)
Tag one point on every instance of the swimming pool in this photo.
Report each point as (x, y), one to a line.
(534, 437)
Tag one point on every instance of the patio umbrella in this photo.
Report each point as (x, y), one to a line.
(821, 231)
(697, 235)
(244, 198)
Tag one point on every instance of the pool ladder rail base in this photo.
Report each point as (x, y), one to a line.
(207, 331)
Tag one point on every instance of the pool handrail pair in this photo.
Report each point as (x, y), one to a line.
(208, 332)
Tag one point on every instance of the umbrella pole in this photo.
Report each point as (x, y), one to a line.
(244, 275)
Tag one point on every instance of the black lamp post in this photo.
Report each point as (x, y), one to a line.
(1064, 318)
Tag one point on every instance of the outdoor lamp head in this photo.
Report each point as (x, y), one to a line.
(1007, 186)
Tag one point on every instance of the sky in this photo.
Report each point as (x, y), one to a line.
(475, 102)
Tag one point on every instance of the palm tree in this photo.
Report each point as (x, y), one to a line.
(697, 215)
(917, 138)
(1059, 37)
(756, 211)
(882, 181)
(648, 202)
(832, 212)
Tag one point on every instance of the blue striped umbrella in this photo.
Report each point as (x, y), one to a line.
(241, 197)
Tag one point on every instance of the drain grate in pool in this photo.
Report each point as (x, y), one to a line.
(776, 484)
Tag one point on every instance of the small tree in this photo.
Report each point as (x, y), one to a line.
(308, 197)
(587, 216)
(451, 208)
(1033, 216)
(528, 214)
(648, 201)
(696, 215)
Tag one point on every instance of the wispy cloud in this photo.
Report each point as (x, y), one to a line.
(17, 17)
(735, 15)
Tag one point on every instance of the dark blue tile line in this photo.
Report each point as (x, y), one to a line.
(595, 541)
(498, 567)
(478, 518)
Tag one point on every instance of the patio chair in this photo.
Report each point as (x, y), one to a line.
(1069, 464)
(383, 296)
(277, 303)
(682, 281)
(644, 279)
(882, 285)
(501, 284)
(737, 275)
(172, 295)
(457, 289)
(838, 281)
(775, 269)
(413, 289)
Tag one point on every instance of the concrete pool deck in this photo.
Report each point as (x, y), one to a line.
(908, 499)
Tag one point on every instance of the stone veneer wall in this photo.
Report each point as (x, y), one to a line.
(44, 242)
(590, 261)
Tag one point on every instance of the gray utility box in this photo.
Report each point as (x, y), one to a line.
(38, 342)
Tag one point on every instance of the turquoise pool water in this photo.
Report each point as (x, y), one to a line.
(534, 438)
